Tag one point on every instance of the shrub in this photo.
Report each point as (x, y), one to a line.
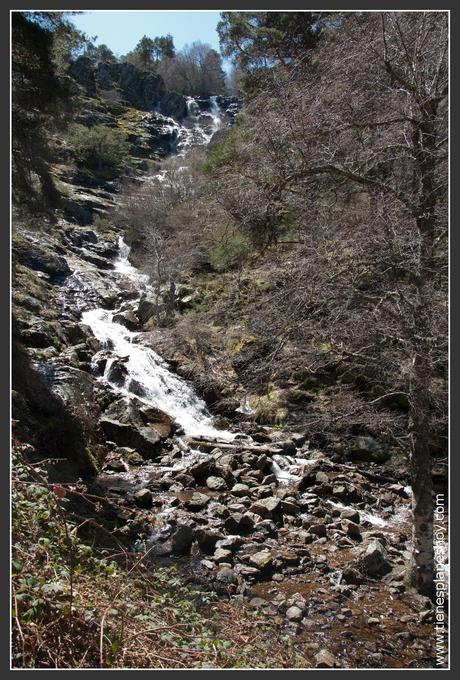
(100, 149)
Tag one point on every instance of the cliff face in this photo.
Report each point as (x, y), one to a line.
(141, 89)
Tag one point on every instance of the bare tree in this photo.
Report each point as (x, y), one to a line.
(352, 157)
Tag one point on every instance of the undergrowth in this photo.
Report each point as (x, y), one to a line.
(77, 606)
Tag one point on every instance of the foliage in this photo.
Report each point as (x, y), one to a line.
(259, 39)
(40, 105)
(150, 51)
(100, 148)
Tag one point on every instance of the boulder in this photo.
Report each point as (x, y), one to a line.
(127, 319)
(268, 508)
(143, 498)
(294, 614)
(39, 258)
(181, 539)
(240, 490)
(226, 575)
(144, 440)
(132, 411)
(146, 309)
(173, 104)
(198, 501)
(216, 484)
(261, 560)
(239, 523)
(324, 659)
(208, 538)
(374, 560)
(117, 372)
(368, 449)
(222, 555)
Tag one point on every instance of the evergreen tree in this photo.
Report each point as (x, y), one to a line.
(40, 102)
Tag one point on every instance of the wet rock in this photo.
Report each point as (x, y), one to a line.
(198, 501)
(216, 484)
(143, 498)
(181, 539)
(127, 319)
(117, 372)
(145, 440)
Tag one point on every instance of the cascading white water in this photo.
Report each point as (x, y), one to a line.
(215, 113)
(161, 388)
(199, 126)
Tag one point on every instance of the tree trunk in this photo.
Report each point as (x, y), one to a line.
(422, 567)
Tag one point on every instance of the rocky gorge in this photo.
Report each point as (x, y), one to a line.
(318, 544)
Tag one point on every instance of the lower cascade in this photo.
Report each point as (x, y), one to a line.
(161, 388)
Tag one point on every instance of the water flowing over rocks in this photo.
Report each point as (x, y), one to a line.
(240, 508)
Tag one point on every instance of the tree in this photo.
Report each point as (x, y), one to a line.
(353, 145)
(100, 148)
(142, 55)
(196, 70)
(40, 103)
(163, 47)
(258, 39)
(100, 53)
(149, 52)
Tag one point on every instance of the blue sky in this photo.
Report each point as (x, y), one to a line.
(122, 30)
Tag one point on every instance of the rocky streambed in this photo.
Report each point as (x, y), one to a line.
(319, 547)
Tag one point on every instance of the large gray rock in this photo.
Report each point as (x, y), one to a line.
(143, 498)
(182, 539)
(374, 560)
(39, 258)
(144, 440)
(173, 104)
(134, 412)
(369, 450)
(261, 560)
(268, 508)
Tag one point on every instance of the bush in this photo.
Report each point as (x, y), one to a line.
(100, 149)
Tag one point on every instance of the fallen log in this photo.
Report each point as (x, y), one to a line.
(239, 446)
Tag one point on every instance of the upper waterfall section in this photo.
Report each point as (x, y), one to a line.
(140, 89)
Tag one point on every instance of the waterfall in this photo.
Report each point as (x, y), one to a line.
(215, 113)
(161, 388)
